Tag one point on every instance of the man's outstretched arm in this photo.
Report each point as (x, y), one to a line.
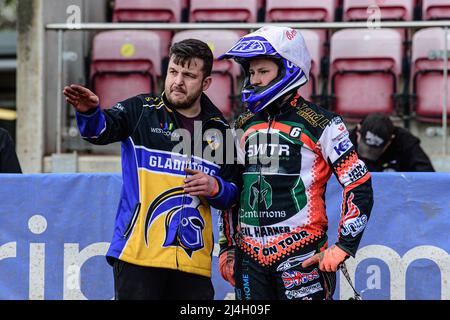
(102, 126)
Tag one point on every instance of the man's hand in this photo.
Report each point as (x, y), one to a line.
(226, 266)
(328, 260)
(81, 98)
(200, 184)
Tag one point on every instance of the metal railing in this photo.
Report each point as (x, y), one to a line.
(60, 28)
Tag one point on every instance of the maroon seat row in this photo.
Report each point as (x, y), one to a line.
(277, 10)
(365, 71)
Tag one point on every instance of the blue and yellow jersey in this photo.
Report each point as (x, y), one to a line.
(157, 223)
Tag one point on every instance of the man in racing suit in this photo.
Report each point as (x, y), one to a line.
(275, 245)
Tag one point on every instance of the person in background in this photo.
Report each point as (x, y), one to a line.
(163, 238)
(9, 163)
(385, 147)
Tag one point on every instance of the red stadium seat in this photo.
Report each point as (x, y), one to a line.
(435, 9)
(427, 71)
(314, 47)
(124, 64)
(225, 72)
(223, 11)
(150, 11)
(145, 10)
(358, 10)
(304, 10)
(365, 65)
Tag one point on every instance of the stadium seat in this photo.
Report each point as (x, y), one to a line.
(365, 65)
(225, 72)
(427, 72)
(358, 10)
(304, 10)
(124, 64)
(150, 11)
(145, 10)
(223, 11)
(313, 43)
(435, 9)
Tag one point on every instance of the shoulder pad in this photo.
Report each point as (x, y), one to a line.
(240, 121)
(315, 115)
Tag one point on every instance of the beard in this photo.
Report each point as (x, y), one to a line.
(185, 103)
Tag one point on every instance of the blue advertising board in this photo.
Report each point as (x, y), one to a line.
(56, 228)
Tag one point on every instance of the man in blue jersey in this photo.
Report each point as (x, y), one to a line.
(163, 239)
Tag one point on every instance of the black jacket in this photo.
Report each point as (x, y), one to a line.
(404, 154)
(9, 163)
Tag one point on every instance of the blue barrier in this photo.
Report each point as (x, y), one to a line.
(56, 228)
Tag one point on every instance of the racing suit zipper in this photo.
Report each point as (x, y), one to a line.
(259, 181)
(259, 206)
